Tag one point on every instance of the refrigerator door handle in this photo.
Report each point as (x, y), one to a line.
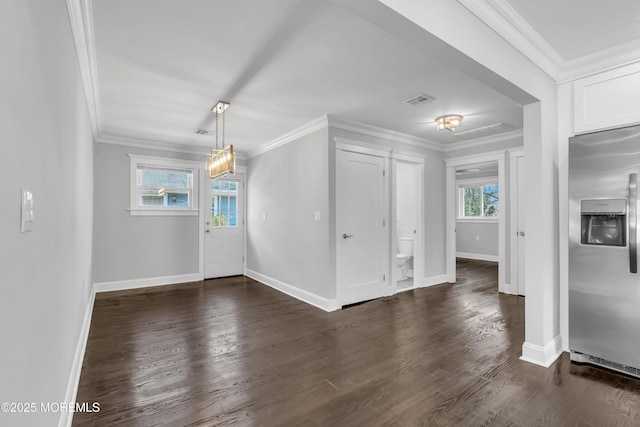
(633, 222)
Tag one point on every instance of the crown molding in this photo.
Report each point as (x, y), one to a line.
(151, 145)
(603, 60)
(156, 145)
(81, 20)
(505, 21)
(306, 129)
(485, 140)
(382, 133)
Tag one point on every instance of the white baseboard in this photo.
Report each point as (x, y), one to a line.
(122, 285)
(479, 257)
(66, 417)
(543, 356)
(293, 291)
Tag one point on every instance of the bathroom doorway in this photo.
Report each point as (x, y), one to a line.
(407, 235)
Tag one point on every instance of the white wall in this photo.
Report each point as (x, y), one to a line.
(477, 240)
(47, 148)
(289, 184)
(129, 247)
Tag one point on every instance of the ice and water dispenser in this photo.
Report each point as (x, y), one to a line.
(603, 222)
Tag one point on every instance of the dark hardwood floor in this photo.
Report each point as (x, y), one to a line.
(235, 352)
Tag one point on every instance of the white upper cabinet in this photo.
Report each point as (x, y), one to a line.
(607, 100)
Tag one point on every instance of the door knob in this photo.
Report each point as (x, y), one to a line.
(521, 233)
(207, 231)
(347, 236)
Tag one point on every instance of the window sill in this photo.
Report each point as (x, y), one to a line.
(479, 220)
(162, 212)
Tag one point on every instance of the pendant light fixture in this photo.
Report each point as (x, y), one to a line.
(448, 122)
(222, 160)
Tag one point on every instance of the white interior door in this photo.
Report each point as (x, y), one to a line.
(224, 227)
(362, 240)
(521, 211)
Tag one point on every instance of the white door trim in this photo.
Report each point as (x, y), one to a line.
(514, 215)
(451, 211)
(361, 147)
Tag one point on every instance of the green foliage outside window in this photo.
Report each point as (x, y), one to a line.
(481, 201)
(472, 201)
(219, 220)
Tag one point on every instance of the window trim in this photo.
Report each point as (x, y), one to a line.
(163, 162)
(477, 182)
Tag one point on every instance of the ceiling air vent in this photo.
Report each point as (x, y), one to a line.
(201, 131)
(484, 131)
(420, 99)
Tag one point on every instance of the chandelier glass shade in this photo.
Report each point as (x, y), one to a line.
(222, 162)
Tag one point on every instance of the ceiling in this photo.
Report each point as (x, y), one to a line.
(576, 28)
(162, 64)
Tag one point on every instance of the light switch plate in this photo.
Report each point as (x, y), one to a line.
(26, 217)
(317, 216)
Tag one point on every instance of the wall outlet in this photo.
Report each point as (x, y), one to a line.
(477, 237)
(264, 216)
(317, 216)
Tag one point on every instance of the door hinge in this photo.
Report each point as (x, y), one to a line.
(384, 171)
(384, 277)
(384, 223)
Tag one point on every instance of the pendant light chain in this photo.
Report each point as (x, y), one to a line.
(216, 130)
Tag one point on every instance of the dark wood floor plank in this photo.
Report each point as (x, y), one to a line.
(233, 352)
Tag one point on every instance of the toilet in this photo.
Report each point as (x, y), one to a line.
(404, 257)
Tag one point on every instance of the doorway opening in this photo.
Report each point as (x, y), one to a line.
(407, 237)
(477, 212)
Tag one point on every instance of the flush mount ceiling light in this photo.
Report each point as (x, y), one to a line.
(448, 122)
(222, 160)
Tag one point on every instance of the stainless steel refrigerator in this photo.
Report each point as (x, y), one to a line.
(604, 284)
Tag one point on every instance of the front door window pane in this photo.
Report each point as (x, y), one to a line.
(224, 203)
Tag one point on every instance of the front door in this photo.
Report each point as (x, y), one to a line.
(224, 227)
(362, 238)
